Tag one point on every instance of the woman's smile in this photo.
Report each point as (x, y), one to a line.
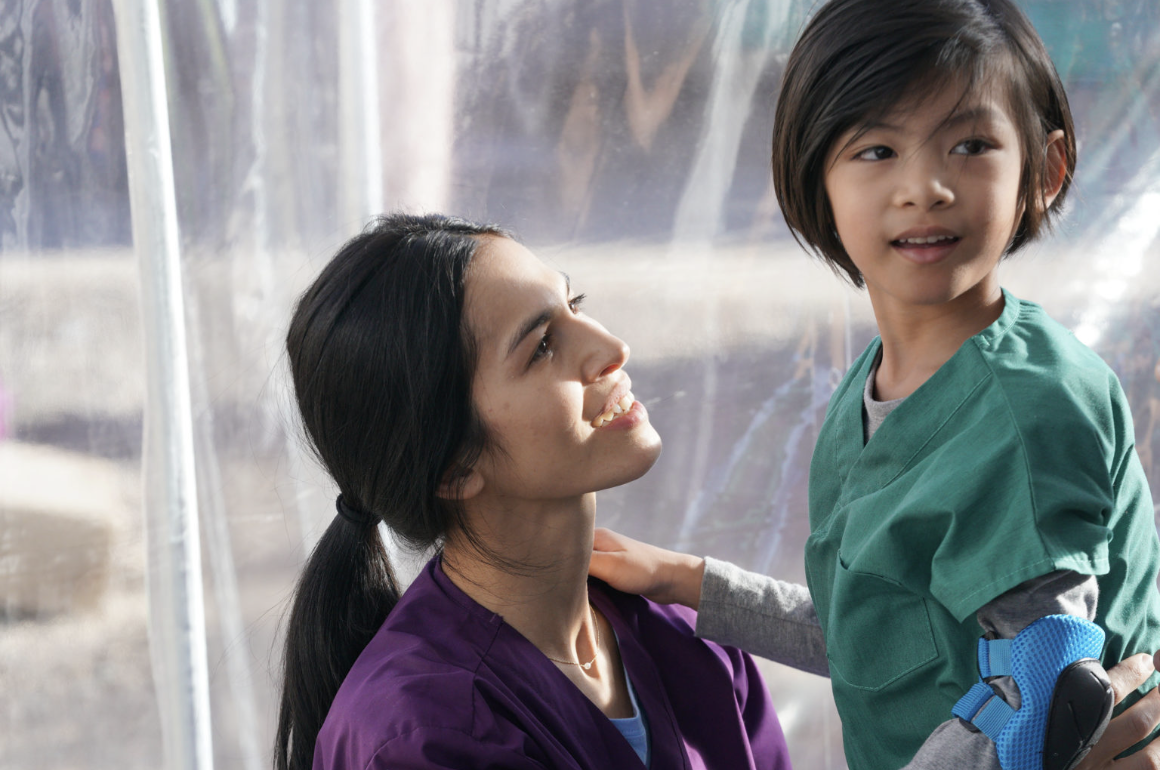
(628, 417)
(618, 401)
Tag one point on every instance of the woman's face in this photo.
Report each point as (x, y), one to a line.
(546, 374)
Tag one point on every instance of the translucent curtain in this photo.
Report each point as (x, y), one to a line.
(177, 640)
(626, 141)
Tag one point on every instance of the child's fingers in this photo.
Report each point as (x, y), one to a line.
(1147, 758)
(1130, 673)
(639, 568)
(625, 564)
(606, 540)
(1131, 727)
(601, 566)
(1128, 729)
(612, 563)
(1140, 719)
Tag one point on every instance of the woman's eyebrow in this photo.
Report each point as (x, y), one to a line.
(529, 326)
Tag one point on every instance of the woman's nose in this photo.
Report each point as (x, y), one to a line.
(607, 354)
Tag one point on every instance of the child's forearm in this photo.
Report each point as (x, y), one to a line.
(953, 745)
(761, 615)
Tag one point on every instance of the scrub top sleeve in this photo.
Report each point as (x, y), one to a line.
(434, 748)
(761, 615)
(1019, 517)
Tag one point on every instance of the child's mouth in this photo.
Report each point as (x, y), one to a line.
(926, 249)
(932, 240)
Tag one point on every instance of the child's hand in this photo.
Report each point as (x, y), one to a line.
(1134, 725)
(634, 567)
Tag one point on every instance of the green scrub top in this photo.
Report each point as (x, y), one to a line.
(1015, 459)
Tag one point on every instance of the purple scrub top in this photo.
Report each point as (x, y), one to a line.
(446, 683)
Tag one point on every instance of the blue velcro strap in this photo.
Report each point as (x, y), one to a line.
(970, 703)
(995, 657)
(982, 708)
(993, 717)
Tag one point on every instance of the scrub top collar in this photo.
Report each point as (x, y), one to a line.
(874, 464)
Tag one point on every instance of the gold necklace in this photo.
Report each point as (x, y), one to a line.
(588, 665)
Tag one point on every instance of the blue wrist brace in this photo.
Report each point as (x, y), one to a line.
(1066, 699)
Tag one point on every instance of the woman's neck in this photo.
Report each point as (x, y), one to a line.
(542, 592)
(918, 340)
(536, 575)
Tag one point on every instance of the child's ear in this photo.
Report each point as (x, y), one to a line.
(460, 484)
(1054, 167)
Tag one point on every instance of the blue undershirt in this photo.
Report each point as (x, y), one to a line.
(634, 728)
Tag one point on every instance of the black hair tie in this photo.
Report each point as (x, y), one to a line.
(353, 515)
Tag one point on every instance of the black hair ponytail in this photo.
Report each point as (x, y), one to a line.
(382, 366)
(344, 594)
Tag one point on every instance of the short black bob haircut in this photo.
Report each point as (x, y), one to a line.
(857, 60)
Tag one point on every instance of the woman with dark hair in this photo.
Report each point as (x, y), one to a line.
(454, 390)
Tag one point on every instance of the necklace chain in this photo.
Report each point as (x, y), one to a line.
(588, 665)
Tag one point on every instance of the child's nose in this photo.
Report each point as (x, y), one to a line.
(924, 185)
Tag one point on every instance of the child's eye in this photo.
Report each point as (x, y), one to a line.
(577, 302)
(971, 147)
(878, 152)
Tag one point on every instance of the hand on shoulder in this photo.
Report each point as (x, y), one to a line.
(628, 565)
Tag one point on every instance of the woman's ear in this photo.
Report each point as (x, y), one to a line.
(1054, 167)
(459, 484)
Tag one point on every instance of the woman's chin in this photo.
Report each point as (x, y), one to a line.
(645, 451)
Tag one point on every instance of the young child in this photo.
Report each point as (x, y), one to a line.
(976, 470)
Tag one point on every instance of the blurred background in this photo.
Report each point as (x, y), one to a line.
(626, 141)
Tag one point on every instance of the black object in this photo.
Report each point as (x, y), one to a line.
(1081, 706)
(353, 515)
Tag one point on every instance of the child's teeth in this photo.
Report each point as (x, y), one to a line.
(618, 408)
(930, 239)
(626, 402)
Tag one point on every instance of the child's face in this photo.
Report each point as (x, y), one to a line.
(925, 205)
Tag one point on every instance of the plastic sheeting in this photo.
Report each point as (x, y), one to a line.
(625, 140)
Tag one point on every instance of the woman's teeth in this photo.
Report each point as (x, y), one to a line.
(926, 240)
(617, 409)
